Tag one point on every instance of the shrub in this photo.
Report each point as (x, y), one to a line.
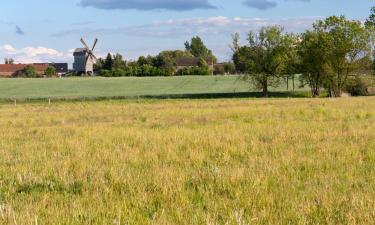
(50, 71)
(357, 87)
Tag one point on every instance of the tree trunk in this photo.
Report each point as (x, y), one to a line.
(265, 89)
(294, 85)
(287, 83)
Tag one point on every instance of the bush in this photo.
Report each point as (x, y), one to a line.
(357, 87)
(50, 71)
(195, 70)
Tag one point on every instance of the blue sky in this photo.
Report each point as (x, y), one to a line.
(48, 30)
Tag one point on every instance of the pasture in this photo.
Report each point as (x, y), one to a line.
(236, 161)
(127, 87)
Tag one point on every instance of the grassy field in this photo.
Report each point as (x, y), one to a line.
(255, 161)
(124, 87)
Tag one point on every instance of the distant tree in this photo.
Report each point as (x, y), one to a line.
(370, 22)
(108, 62)
(29, 71)
(98, 66)
(118, 62)
(235, 42)
(198, 49)
(370, 25)
(50, 71)
(264, 58)
(142, 60)
(9, 61)
(292, 64)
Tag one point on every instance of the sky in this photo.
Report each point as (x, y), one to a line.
(50, 30)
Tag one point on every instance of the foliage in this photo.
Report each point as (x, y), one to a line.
(8, 61)
(264, 58)
(347, 42)
(194, 70)
(314, 60)
(28, 71)
(370, 22)
(357, 87)
(227, 68)
(198, 49)
(108, 62)
(50, 71)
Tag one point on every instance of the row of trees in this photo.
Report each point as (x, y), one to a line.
(164, 64)
(328, 56)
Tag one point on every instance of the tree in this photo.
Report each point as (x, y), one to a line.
(370, 25)
(235, 42)
(108, 62)
(265, 57)
(314, 65)
(29, 71)
(118, 62)
(9, 61)
(370, 22)
(50, 71)
(347, 42)
(198, 49)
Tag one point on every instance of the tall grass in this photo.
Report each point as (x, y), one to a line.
(300, 161)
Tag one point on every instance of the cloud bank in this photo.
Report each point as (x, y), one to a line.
(176, 5)
(34, 54)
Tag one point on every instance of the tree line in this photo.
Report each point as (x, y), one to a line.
(164, 64)
(333, 55)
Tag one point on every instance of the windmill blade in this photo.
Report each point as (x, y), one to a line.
(94, 57)
(84, 43)
(95, 42)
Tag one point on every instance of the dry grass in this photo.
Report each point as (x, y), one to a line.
(306, 161)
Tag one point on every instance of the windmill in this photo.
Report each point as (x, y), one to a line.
(84, 59)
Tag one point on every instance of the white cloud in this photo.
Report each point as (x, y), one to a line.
(34, 54)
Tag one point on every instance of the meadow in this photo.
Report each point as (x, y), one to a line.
(221, 161)
(127, 87)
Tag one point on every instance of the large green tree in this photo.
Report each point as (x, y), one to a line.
(370, 25)
(347, 43)
(314, 59)
(265, 57)
(198, 49)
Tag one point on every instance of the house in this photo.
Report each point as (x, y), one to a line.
(183, 62)
(11, 70)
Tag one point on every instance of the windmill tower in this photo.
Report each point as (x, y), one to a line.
(84, 59)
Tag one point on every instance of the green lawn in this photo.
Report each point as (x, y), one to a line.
(124, 87)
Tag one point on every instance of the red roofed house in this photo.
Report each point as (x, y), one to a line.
(11, 70)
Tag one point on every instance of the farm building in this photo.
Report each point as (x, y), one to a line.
(10, 70)
(184, 62)
(61, 68)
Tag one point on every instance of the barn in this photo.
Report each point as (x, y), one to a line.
(11, 70)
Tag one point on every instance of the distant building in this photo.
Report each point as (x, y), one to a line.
(80, 66)
(184, 62)
(61, 68)
(11, 70)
